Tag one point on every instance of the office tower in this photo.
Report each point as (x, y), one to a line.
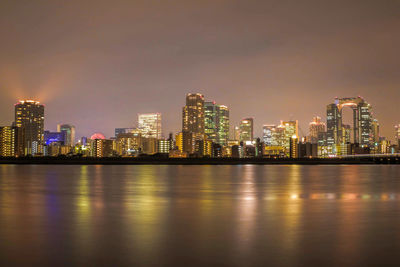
(361, 121)
(315, 127)
(69, 131)
(346, 133)
(375, 131)
(150, 125)
(193, 114)
(216, 120)
(118, 131)
(397, 134)
(236, 133)
(29, 115)
(269, 135)
(290, 129)
(11, 141)
(55, 137)
(246, 130)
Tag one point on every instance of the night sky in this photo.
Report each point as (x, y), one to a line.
(96, 64)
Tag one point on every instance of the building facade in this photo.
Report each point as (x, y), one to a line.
(246, 130)
(29, 115)
(193, 114)
(216, 122)
(69, 131)
(315, 127)
(150, 125)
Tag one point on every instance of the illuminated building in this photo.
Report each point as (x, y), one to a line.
(97, 136)
(288, 129)
(164, 146)
(128, 144)
(69, 131)
(361, 121)
(274, 151)
(193, 114)
(29, 115)
(118, 131)
(102, 148)
(216, 122)
(150, 125)
(11, 141)
(204, 148)
(315, 127)
(397, 134)
(294, 152)
(346, 134)
(246, 130)
(185, 141)
(269, 136)
(54, 137)
(236, 133)
(375, 131)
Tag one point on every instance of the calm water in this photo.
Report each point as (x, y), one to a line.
(200, 215)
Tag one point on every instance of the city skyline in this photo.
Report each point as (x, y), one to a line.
(256, 132)
(268, 60)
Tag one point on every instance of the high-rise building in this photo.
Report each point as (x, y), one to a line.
(11, 141)
(375, 131)
(397, 134)
(246, 130)
(29, 115)
(290, 129)
(362, 130)
(69, 131)
(236, 133)
(150, 125)
(193, 114)
(315, 127)
(346, 133)
(216, 122)
(268, 135)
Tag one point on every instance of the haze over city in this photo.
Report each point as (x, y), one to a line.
(97, 65)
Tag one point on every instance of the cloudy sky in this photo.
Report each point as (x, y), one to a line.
(97, 64)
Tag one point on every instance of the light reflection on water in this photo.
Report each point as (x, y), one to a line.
(199, 215)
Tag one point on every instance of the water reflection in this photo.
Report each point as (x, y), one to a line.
(211, 215)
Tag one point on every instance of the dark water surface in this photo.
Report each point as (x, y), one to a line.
(200, 215)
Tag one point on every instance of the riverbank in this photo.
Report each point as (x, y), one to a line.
(195, 161)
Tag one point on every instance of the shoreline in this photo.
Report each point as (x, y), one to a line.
(196, 161)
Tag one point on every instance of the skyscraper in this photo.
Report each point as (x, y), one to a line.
(216, 122)
(246, 130)
(69, 131)
(315, 127)
(362, 119)
(397, 134)
(193, 114)
(290, 130)
(29, 115)
(150, 125)
(268, 135)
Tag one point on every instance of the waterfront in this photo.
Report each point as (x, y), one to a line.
(245, 215)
